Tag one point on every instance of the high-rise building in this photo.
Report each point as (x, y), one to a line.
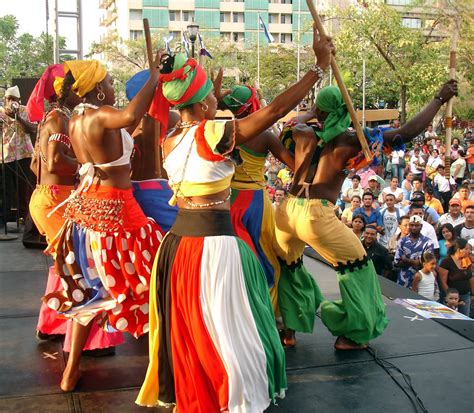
(233, 20)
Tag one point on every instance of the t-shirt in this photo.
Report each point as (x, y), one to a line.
(347, 213)
(432, 164)
(436, 205)
(396, 193)
(390, 224)
(374, 218)
(350, 192)
(448, 219)
(380, 257)
(284, 175)
(470, 155)
(457, 278)
(465, 232)
(396, 155)
(443, 183)
(462, 168)
(419, 160)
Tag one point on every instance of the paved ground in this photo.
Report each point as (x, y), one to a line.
(438, 360)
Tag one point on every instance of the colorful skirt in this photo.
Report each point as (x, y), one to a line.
(213, 341)
(253, 219)
(104, 254)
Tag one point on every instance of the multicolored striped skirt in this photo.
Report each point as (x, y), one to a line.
(253, 219)
(104, 255)
(213, 341)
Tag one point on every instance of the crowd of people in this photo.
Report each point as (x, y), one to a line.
(208, 262)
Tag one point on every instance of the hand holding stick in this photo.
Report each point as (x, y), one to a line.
(340, 82)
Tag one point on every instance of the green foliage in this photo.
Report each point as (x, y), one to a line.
(23, 55)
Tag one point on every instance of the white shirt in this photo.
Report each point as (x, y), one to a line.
(443, 183)
(434, 162)
(390, 224)
(420, 162)
(396, 193)
(448, 219)
(396, 155)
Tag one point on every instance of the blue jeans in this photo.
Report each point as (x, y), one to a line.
(398, 172)
(466, 308)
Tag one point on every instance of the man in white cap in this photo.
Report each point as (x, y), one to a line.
(17, 135)
(410, 250)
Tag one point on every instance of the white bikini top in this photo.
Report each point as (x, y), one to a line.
(127, 148)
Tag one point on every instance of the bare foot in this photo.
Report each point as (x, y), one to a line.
(343, 343)
(288, 338)
(70, 380)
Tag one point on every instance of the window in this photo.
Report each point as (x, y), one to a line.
(225, 17)
(276, 37)
(286, 38)
(136, 34)
(173, 15)
(273, 18)
(411, 23)
(187, 16)
(286, 19)
(238, 17)
(225, 35)
(286, 1)
(237, 37)
(135, 14)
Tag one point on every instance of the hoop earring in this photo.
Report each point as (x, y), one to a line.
(100, 96)
(207, 107)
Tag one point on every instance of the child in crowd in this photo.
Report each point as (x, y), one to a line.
(452, 299)
(424, 282)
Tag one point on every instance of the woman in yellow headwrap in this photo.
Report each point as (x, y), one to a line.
(213, 341)
(105, 249)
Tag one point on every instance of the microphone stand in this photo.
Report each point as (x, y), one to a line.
(5, 236)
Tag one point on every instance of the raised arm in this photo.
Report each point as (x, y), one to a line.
(420, 122)
(257, 122)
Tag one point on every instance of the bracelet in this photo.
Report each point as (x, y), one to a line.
(320, 72)
(60, 137)
(439, 98)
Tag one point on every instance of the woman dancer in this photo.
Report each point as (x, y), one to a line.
(105, 249)
(55, 166)
(213, 342)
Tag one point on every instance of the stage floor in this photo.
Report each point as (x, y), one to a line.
(438, 360)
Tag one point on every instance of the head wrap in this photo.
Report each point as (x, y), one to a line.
(86, 73)
(242, 98)
(185, 85)
(13, 91)
(44, 89)
(135, 83)
(330, 100)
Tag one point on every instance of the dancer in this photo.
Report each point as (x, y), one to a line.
(251, 210)
(55, 166)
(105, 249)
(307, 216)
(213, 342)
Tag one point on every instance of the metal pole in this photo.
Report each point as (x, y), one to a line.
(192, 48)
(79, 30)
(258, 50)
(56, 32)
(6, 236)
(363, 93)
(298, 61)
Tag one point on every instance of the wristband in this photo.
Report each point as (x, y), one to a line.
(320, 72)
(439, 98)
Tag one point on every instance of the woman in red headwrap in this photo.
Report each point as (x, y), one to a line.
(213, 341)
(105, 249)
(55, 166)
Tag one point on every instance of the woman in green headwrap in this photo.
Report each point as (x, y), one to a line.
(213, 341)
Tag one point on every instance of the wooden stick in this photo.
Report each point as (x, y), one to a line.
(157, 128)
(263, 103)
(448, 123)
(340, 82)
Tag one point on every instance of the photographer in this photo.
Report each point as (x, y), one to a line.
(17, 133)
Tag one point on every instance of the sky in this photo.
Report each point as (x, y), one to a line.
(31, 15)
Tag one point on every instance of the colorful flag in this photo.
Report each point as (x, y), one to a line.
(185, 43)
(203, 51)
(265, 30)
(167, 41)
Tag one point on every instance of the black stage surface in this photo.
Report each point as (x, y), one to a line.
(439, 360)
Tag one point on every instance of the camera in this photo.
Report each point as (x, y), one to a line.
(15, 106)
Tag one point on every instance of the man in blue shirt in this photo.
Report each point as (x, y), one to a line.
(418, 199)
(373, 217)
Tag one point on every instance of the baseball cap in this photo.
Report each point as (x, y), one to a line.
(454, 201)
(417, 196)
(373, 178)
(417, 219)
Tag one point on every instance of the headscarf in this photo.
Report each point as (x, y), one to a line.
(242, 98)
(44, 89)
(86, 73)
(330, 100)
(13, 91)
(185, 85)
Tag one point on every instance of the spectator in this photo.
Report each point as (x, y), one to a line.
(371, 215)
(397, 158)
(18, 137)
(454, 215)
(464, 195)
(430, 134)
(271, 170)
(407, 186)
(278, 196)
(458, 168)
(452, 299)
(417, 164)
(410, 250)
(347, 213)
(390, 216)
(373, 186)
(470, 158)
(439, 146)
(432, 202)
(358, 225)
(432, 164)
(284, 175)
(455, 272)
(444, 186)
(466, 229)
(427, 229)
(355, 189)
(448, 235)
(402, 231)
(424, 281)
(417, 184)
(455, 147)
(418, 199)
(394, 190)
(376, 252)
